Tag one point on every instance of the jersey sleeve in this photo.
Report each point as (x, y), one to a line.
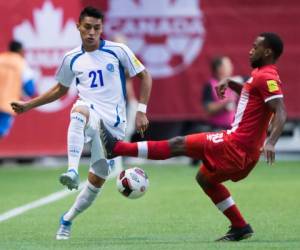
(64, 74)
(129, 61)
(269, 88)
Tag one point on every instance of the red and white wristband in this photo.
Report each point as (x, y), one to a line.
(142, 108)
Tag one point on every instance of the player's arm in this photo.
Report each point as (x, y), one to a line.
(145, 91)
(211, 106)
(51, 95)
(228, 82)
(64, 77)
(235, 86)
(279, 118)
(135, 68)
(146, 85)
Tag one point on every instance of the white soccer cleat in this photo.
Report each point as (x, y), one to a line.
(70, 179)
(64, 231)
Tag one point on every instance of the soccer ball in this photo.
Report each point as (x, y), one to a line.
(132, 183)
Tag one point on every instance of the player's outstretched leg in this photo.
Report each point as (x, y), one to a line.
(82, 202)
(154, 150)
(221, 197)
(75, 147)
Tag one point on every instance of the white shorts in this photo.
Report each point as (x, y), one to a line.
(98, 164)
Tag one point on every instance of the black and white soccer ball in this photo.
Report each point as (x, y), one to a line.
(133, 182)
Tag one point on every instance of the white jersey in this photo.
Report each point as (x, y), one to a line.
(100, 78)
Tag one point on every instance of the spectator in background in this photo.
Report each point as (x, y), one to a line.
(15, 78)
(220, 111)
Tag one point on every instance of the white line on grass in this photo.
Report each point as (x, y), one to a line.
(38, 203)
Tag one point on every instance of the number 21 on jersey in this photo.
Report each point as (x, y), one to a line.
(97, 78)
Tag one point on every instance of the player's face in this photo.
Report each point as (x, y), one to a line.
(90, 29)
(256, 54)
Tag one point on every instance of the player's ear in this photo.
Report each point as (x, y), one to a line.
(268, 52)
(78, 25)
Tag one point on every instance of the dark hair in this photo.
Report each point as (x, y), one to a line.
(15, 46)
(274, 42)
(216, 62)
(92, 12)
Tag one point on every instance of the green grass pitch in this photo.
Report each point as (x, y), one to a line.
(174, 213)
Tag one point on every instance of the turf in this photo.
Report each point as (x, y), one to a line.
(174, 213)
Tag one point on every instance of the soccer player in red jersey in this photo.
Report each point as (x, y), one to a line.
(231, 154)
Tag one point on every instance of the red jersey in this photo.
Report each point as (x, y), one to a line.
(252, 118)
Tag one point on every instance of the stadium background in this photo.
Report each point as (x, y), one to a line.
(220, 27)
(175, 213)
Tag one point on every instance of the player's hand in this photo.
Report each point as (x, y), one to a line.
(269, 151)
(221, 88)
(141, 122)
(20, 107)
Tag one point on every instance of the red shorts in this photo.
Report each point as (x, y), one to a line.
(222, 159)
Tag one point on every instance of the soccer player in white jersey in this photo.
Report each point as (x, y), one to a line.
(98, 70)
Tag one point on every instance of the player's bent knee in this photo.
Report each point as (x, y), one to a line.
(83, 111)
(95, 180)
(98, 173)
(201, 180)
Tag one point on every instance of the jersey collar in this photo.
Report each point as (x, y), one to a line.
(269, 66)
(101, 45)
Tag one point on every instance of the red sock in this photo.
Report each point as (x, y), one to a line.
(235, 216)
(123, 148)
(155, 150)
(220, 196)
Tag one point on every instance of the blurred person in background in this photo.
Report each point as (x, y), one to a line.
(16, 79)
(220, 111)
(97, 67)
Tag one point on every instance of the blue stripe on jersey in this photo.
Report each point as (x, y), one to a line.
(123, 80)
(118, 117)
(65, 59)
(76, 57)
(121, 69)
(110, 52)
